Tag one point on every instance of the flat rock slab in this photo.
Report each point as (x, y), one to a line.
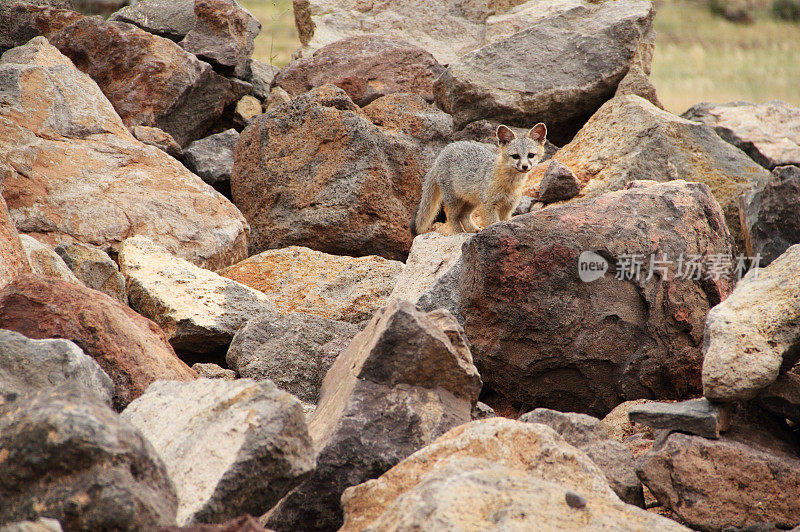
(751, 335)
(697, 416)
(231, 448)
(197, 309)
(172, 19)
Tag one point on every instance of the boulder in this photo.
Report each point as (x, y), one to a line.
(753, 334)
(43, 524)
(558, 184)
(631, 139)
(637, 83)
(618, 425)
(212, 157)
(349, 186)
(587, 434)
(162, 140)
(294, 350)
(769, 214)
(162, 85)
(229, 447)
(559, 70)
(44, 261)
(208, 370)
(131, 349)
(696, 416)
(171, 19)
(223, 35)
(261, 76)
(510, 455)
(247, 108)
(73, 172)
(782, 397)
(404, 381)
(197, 309)
(366, 67)
(22, 21)
(94, 268)
(336, 287)
(244, 523)
(768, 132)
(622, 330)
(30, 365)
(742, 479)
(13, 259)
(68, 456)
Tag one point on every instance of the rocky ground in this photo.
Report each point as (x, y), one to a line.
(213, 315)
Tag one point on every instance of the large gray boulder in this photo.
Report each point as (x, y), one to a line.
(68, 456)
(404, 380)
(212, 157)
(29, 365)
(172, 19)
(230, 447)
(559, 70)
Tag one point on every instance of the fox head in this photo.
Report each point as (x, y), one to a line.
(523, 153)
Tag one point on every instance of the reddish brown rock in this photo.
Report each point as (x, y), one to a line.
(131, 349)
(13, 260)
(542, 337)
(22, 21)
(366, 67)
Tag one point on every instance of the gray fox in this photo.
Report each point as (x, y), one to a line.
(467, 174)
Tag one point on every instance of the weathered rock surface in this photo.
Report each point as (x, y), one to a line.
(618, 425)
(212, 157)
(629, 139)
(43, 524)
(558, 183)
(22, 21)
(782, 397)
(751, 335)
(13, 259)
(509, 455)
(244, 523)
(247, 108)
(430, 277)
(68, 456)
(162, 140)
(44, 261)
(294, 350)
(261, 76)
(94, 268)
(230, 447)
(349, 187)
(521, 80)
(696, 416)
(587, 434)
(404, 381)
(637, 83)
(207, 370)
(768, 132)
(131, 349)
(197, 309)
(742, 479)
(337, 287)
(30, 365)
(73, 172)
(608, 340)
(366, 67)
(172, 19)
(769, 214)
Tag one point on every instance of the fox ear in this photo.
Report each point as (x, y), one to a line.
(538, 133)
(505, 135)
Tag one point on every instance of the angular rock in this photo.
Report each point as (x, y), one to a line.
(587, 434)
(349, 187)
(696, 416)
(782, 397)
(294, 351)
(197, 309)
(13, 259)
(31, 365)
(261, 76)
(68, 456)
(230, 447)
(753, 334)
(631, 139)
(768, 132)
(172, 19)
(619, 337)
(710, 483)
(769, 215)
(618, 425)
(43, 524)
(637, 83)
(366, 67)
(212, 157)
(336, 287)
(44, 261)
(223, 35)
(404, 381)
(131, 349)
(161, 85)
(246, 109)
(94, 268)
(162, 140)
(558, 183)
(559, 70)
(75, 173)
(277, 97)
(212, 371)
(22, 21)
(483, 411)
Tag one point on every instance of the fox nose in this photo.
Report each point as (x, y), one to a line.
(524, 166)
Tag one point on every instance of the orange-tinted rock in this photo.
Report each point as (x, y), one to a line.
(22, 21)
(131, 349)
(13, 260)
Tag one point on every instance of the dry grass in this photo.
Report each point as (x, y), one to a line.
(699, 56)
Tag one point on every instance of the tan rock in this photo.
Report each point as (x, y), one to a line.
(13, 260)
(45, 261)
(94, 268)
(247, 108)
(158, 138)
(299, 279)
(619, 427)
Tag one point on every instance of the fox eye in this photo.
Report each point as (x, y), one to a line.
(515, 156)
(530, 155)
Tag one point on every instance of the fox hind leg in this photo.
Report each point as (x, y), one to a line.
(465, 217)
(451, 212)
